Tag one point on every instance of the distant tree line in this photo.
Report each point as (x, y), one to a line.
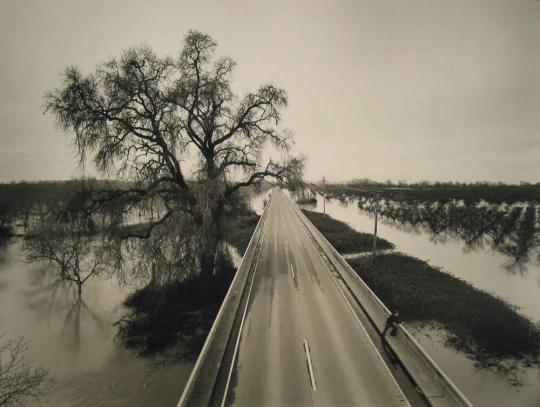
(493, 192)
(20, 201)
(425, 183)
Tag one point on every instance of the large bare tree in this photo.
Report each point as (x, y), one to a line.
(145, 117)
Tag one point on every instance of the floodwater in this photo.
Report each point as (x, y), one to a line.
(77, 341)
(484, 267)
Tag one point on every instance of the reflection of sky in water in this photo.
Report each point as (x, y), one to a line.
(484, 268)
(77, 342)
(483, 388)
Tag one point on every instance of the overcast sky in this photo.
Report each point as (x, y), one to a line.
(401, 90)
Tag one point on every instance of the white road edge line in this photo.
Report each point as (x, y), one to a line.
(229, 376)
(292, 271)
(311, 374)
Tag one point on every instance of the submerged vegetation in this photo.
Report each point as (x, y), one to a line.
(344, 238)
(71, 247)
(510, 230)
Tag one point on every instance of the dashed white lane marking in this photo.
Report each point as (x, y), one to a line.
(310, 366)
(292, 271)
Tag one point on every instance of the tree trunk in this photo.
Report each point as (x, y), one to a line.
(208, 263)
(210, 236)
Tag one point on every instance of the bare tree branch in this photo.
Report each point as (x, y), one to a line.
(19, 382)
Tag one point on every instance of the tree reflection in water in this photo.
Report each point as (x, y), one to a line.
(58, 302)
(510, 230)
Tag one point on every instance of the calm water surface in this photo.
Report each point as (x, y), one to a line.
(484, 268)
(77, 343)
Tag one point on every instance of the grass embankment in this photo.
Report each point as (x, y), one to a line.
(238, 227)
(306, 201)
(344, 238)
(178, 316)
(485, 327)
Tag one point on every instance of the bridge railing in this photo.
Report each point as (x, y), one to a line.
(435, 385)
(199, 390)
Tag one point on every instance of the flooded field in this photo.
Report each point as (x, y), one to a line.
(510, 270)
(77, 342)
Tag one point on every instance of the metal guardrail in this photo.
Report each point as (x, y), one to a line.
(435, 385)
(200, 386)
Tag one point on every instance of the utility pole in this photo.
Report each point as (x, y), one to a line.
(375, 228)
(324, 197)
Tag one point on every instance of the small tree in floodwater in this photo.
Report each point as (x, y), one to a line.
(147, 119)
(70, 247)
(19, 382)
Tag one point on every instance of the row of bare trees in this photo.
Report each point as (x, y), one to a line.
(511, 230)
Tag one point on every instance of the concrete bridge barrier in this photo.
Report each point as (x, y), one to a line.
(203, 387)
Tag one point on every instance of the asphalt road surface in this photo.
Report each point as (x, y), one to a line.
(301, 344)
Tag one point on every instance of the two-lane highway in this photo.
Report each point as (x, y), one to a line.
(300, 343)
